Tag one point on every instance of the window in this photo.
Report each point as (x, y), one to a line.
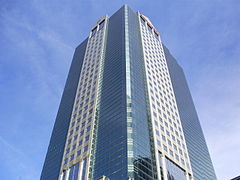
(101, 25)
(87, 138)
(165, 148)
(163, 137)
(65, 161)
(142, 20)
(160, 119)
(166, 124)
(80, 142)
(90, 111)
(72, 157)
(181, 137)
(85, 148)
(83, 124)
(178, 142)
(177, 157)
(74, 147)
(87, 100)
(154, 114)
(89, 119)
(79, 153)
(183, 146)
(162, 128)
(180, 151)
(94, 31)
(167, 132)
(174, 171)
(82, 132)
(169, 142)
(182, 161)
(75, 137)
(80, 112)
(73, 123)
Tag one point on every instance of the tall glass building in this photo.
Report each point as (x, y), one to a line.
(126, 111)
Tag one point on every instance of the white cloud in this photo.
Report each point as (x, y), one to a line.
(218, 103)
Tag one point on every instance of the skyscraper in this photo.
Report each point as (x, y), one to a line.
(121, 116)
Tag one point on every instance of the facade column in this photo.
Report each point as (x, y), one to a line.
(164, 167)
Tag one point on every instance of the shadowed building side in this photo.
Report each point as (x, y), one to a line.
(198, 152)
(53, 160)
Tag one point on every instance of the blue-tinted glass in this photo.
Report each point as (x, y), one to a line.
(80, 142)
(198, 152)
(53, 160)
(142, 161)
(73, 174)
(111, 146)
(94, 31)
(101, 25)
(174, 172)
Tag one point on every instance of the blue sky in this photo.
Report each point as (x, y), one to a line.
(37, 40)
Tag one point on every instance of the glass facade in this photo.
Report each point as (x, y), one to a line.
(53, 160)
(111, 143)
(174, 172)
(73, 175)
(123, 143)
(118, 117)
(140, 157)
(198, 152)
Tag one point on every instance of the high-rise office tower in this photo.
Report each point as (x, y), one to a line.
(121, 115)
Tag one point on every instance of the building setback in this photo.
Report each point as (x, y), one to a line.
(121, 115)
